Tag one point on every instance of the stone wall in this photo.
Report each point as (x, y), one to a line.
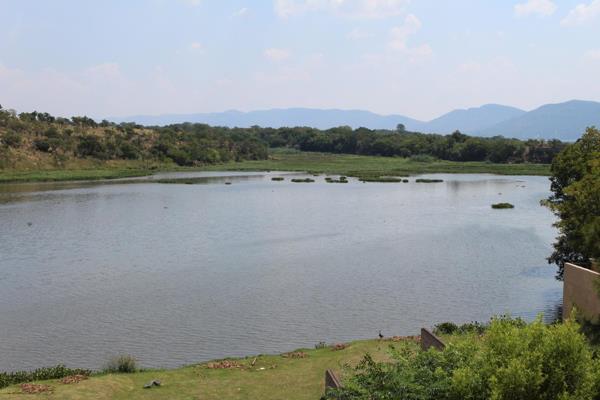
(580, 291)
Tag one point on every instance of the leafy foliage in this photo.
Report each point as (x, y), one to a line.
(57, 372)
(510, 361)
(122, 364)
(575, 200)
(195, 144)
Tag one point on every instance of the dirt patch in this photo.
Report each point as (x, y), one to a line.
(68, 380)
(225, 364)
(297, 354)
(338, 346)
(32, 388)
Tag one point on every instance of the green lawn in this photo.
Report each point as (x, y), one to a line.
(344, 164)
(272, 377)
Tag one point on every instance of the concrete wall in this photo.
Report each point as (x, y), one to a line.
(428, 340)
(579, 290)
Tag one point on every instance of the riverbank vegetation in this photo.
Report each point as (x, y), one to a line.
(504, 359)
(575, 200)
(38, 146)
(298, 375)
(372, 166)
(508, 361)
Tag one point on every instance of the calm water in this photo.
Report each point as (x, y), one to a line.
(176, 274)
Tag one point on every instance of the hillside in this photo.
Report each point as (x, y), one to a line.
(473, 119)
(314, 118)
(565, 121)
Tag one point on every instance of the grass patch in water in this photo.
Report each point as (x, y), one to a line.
(421, 180)
(501, 206)
(342, 179)
(278, 178)
(383, 179)
(306, 180)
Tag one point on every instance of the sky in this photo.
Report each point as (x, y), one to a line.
(418, 58)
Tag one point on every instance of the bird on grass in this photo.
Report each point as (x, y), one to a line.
(380, 335)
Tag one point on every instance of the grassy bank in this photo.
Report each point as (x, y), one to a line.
(86, 170)
(271, 377)
(343, 164)
(353, 165)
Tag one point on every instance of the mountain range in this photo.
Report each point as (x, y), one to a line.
(564, 121)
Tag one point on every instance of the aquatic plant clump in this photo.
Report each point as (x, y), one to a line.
(306, 180)
(500, 206)
(421, 180)
(342, 179)
(278, 178)
(382, 179)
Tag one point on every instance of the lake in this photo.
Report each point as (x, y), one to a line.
(175, 274)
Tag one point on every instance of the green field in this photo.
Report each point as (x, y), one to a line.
(271, 377)
(353, 165)
(343, 164)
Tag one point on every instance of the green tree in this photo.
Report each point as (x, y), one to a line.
(575, 200)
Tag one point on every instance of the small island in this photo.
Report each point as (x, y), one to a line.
(501, 206)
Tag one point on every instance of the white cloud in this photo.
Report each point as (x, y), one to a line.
(346, 8)
(400, 34)
(241, 12)
(539, 7)
(582, 14)
(277, 55)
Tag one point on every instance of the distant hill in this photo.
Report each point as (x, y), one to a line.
(472, 119)
(565, 121)
(315, 118)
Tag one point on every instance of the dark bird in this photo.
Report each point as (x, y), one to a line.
(380, 335)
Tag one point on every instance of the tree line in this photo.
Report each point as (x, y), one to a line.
(190, 144)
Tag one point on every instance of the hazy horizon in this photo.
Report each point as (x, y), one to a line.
(418, 58)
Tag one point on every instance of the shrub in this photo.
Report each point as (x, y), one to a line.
(41, 145)
(40, 374)
(445, 328)
(12, 139)
(122, 364)
(511, 361)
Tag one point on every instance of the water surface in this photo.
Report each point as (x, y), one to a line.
(175, 274)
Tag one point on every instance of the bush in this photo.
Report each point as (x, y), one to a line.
(40, 374)
(12, 139)
(122, 364)
(511, 361)
(41, 145)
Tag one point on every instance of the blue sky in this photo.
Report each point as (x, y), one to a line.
(419, 58)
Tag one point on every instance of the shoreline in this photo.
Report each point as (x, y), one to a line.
(310, 163)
